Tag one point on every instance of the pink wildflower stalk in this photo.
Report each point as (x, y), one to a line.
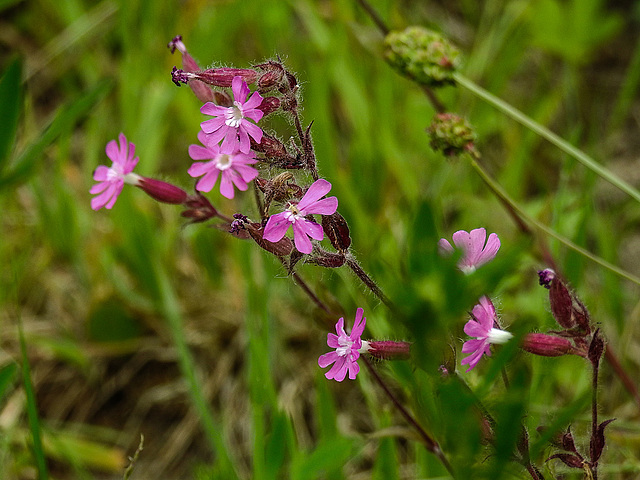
(294, 216)
(233, 168)
(482, 327)
(347, 349)
(111, 180)
(231, 124)
(475, 252)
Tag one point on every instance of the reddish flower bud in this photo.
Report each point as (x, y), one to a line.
(200, 90)
(337, 230)
(223, 77)
(269, 105)
(547, 345)
(561, 303)
(281, 248)
(199, 209)
(388, 350)
(327, 259)
(162, 191)
(272, 77)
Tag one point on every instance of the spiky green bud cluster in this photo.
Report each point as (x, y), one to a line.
(423, 55)
(452, 135)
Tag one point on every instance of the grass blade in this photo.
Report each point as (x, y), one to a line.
(10, 101)
(32, 410)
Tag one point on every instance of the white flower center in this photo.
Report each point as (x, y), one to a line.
(498, 336)
(223, 162)
(234, 116)
(344, 348)
(292, 213)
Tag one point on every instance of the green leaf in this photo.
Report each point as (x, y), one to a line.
(65, 118)
(32, 411)
(10, 101)
(6, 377)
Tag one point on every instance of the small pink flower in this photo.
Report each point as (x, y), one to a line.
(345, 358)
(232, 167)
(482, 327)
(231, 124)
(475, 252)
(112, 179)
(312, 202)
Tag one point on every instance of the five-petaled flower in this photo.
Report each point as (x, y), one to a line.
(482, 327)
(311, 203)
(233, 168)
(112, 179)
(475, 252)
(231, 124)
(347, 349)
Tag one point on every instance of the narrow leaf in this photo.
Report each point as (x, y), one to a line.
(10, 101)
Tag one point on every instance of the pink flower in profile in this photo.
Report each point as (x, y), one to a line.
(345, 357)
(482, 327)
(232, 167)
(112, 179)
(312, 202)
(475, 252)
(231, 124)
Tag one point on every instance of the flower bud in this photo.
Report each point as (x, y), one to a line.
(337, 230)
(220, 77)
(452, 135)
(162, 191)
(269, 105)
(199, 209)
(273, 75)
(561, 303)
(423, 55)
(281, 248)
(327, 259)
(547, 345)
(200, 90)
(387, 350)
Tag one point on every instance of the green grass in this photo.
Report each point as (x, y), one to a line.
(134, 324)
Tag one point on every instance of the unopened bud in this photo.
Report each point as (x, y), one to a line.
(547, 345)
(561, 303)
(327, 259)
(423, 55)
(272, 77)
(280, 248)
(269, 105)
(200, 90)
(162, 191)
(452, 135)
(387, 350)
(337, 230)
(199, 208)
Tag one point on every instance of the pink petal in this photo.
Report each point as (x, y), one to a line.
(226, 185)
(230, 143)
(112, 151)
(354, 369)
(300, 238)
(253, 130)
(212, 109)
(247, 173)
(198, 152)
(100, 173)
(317, 190)
(325, 206)
(445, 247)
(311, 229)
(332, 340)
(472, 345)
(490, 250)
(198, 169)
(251, 107)
(474, 329)
(327, 359)
(212, 125)
(206, 183)
(477, 237)
(358, 325)
(339, 370)
(212, 139)
(276, 227)
(240, 89)
(243, 141)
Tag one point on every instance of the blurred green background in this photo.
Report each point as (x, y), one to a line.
(135, 324)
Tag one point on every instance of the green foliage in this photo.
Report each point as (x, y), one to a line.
(131, 297)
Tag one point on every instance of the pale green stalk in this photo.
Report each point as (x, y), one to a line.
(547, 134)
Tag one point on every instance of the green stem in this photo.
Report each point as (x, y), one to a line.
(213, 431)
(504, 196)
(547, 134)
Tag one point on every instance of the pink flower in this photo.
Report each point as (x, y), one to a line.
(345, 358)
(111, 180)
(475, 252)
(482, 327)
(294, 215)
(234, 167)
(231, 124)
